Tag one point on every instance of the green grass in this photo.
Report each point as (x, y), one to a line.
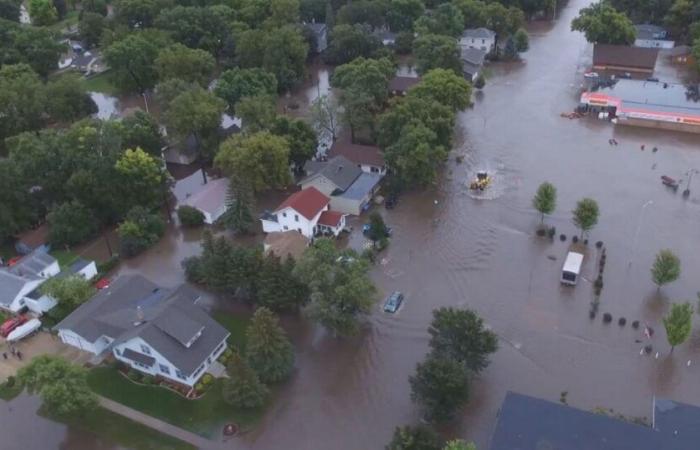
(122, 431)
(7, 251)
(100, 83)
(70, 19)
(205, 416)
(7, 393)
(64, 257)
(236, 325)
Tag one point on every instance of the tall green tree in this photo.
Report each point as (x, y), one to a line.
(243, 389)
(460, 335)
(416, 155)
(239, 216)
(39, 47)
(196, 27)
(10, 9)
(235, 84)
(405, 111)
(17, 207)
(70, 292)
(277, 286)
(586, 215)
(139, 13)
(446, 19)
(90, 28)
(61, 385)
(459, 444)
(362, 12)
(348, 42)
(268, 349)
(401, 14)
(440, 387)
(602, 24)
(256, 113)
(143, 131)
(42, 12)
(71, 223)
(341, 294)
(131, 61)
(521, 41)
(143, 179)
(419, 437)
(678, 323)
(262, 158)
(445, 87)
(67, 100)
(433, 51)
(195, 112)
(140, 230)
(22, 100)
(545, 199)
(326, 116)
(666, 268)
(178, 61)
(300, 136)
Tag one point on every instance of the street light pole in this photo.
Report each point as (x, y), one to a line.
(639, 226)
(690, 178)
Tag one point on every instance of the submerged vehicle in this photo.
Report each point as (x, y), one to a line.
(393, 302)
(572, 268)
(670, 182)
(481, 182)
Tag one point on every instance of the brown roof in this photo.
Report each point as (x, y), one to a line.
(402, 84)
(330, 218)
(624, 56)
(359, 154)
(35, 238)
(286, 243)
(307, 202)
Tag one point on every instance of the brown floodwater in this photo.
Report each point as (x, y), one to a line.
(451, 248)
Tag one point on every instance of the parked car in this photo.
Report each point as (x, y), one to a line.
(393, 302)
(10, 324)
(366, 227)
(102, 283)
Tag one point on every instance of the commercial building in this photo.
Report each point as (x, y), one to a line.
(528, 423)
(650, 104)
(635, 62)
(652, 36)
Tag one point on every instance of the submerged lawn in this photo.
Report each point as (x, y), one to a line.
(205, 416)
(100, 83)
(122, 431)
(236, 325)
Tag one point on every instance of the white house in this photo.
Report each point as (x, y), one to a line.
(157, 331)
(210, 199)
(301, 212)
(652, 36)
(480, 38)
(19, 284)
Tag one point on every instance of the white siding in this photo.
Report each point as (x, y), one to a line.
(40, 306)
(70, 338)
(653, 43)
(373, 169)
(346, 205)
(88, 272)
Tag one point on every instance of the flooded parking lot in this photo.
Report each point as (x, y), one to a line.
(451, 248)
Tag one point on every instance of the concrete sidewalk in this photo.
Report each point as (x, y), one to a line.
(165, 428)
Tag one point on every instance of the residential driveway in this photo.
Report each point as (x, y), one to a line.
(41, 343)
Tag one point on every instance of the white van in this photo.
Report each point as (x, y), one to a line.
(572, 268)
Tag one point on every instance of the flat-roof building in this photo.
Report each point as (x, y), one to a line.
(638, 62)
(651, 104)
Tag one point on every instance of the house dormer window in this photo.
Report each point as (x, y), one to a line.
(284, 214)
(145, 349)
(296, 217)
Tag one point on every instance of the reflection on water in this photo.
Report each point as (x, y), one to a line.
(107, 106)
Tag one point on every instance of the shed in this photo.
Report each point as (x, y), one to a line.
(210, 199)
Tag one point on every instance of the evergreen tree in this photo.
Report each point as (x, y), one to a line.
(239, 217)
(268, 350)
(243, 388)
(277, 287)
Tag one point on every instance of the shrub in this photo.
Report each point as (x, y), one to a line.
(133, 375)
(635, 324)
(541, 232)
(207, 379)
(108, 265)
(189, 216)
(562, 237)
(551, 232)
(370, 254)
(591, 314)
(599, 244)
(140, 230)
(199, 387)
(622, 321)
(607, 317)
(148, 379)
(10, 382)
(228, 353)
(574, 239)
(194, 269)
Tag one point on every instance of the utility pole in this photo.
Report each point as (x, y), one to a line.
(686, 193)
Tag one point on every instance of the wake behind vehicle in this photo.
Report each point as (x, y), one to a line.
(393, 302)
(481, 182)
(572, 268)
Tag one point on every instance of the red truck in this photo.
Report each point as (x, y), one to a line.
(10, 324)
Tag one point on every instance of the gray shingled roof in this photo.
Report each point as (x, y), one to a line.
(136, 307)
(10, 286)
(33, 264)
(481, 33)
(362, 186)
(139, 357)
(473, 56)
(339, 170)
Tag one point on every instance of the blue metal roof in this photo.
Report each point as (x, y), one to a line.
(362, 186)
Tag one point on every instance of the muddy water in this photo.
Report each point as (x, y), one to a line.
(451, 248)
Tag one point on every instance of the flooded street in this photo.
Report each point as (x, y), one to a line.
(482, 253)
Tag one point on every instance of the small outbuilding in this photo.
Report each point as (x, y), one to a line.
(210, 199)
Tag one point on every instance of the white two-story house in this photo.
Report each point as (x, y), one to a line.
(19, 284)
(301, 212)
(161, 332)
(480, 38)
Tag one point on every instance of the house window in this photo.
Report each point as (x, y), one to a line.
(284, 214)
(145, 349)
(374, 169)
(296, 217)
(286, 228)
(299, 230)
(116, 350)
(180, 375)
(483, 41)
(165, 369)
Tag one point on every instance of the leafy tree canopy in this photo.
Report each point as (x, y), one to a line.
(602, 24)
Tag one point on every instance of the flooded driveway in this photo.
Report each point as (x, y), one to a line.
(452, 249)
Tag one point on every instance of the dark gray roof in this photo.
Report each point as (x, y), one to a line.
(10, 286)
(473, 56)
(135, 307)
(33, 264)
(339, 170)
(362, 186)
(139, 357)
(528, 423)
(679, 422)
(481, 33)
(645, 31)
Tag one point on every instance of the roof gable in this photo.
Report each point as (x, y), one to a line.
(339, 170)
(307, 202)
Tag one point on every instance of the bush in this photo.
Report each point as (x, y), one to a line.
(199, 387)
(148, 379)
(207, 379)
(607, 317)
(108, 265)
(541, 232)
(622, 321)
(370, 254)
(551, 232)
(635, 324)
(599, 244)
(189, 216)
(480, 82)
(133, 374)
(574, 239)
(10, 382)
(562, 237)
(194, 269)
(140, 230)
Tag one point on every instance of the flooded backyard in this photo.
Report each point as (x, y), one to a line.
(451, 248)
